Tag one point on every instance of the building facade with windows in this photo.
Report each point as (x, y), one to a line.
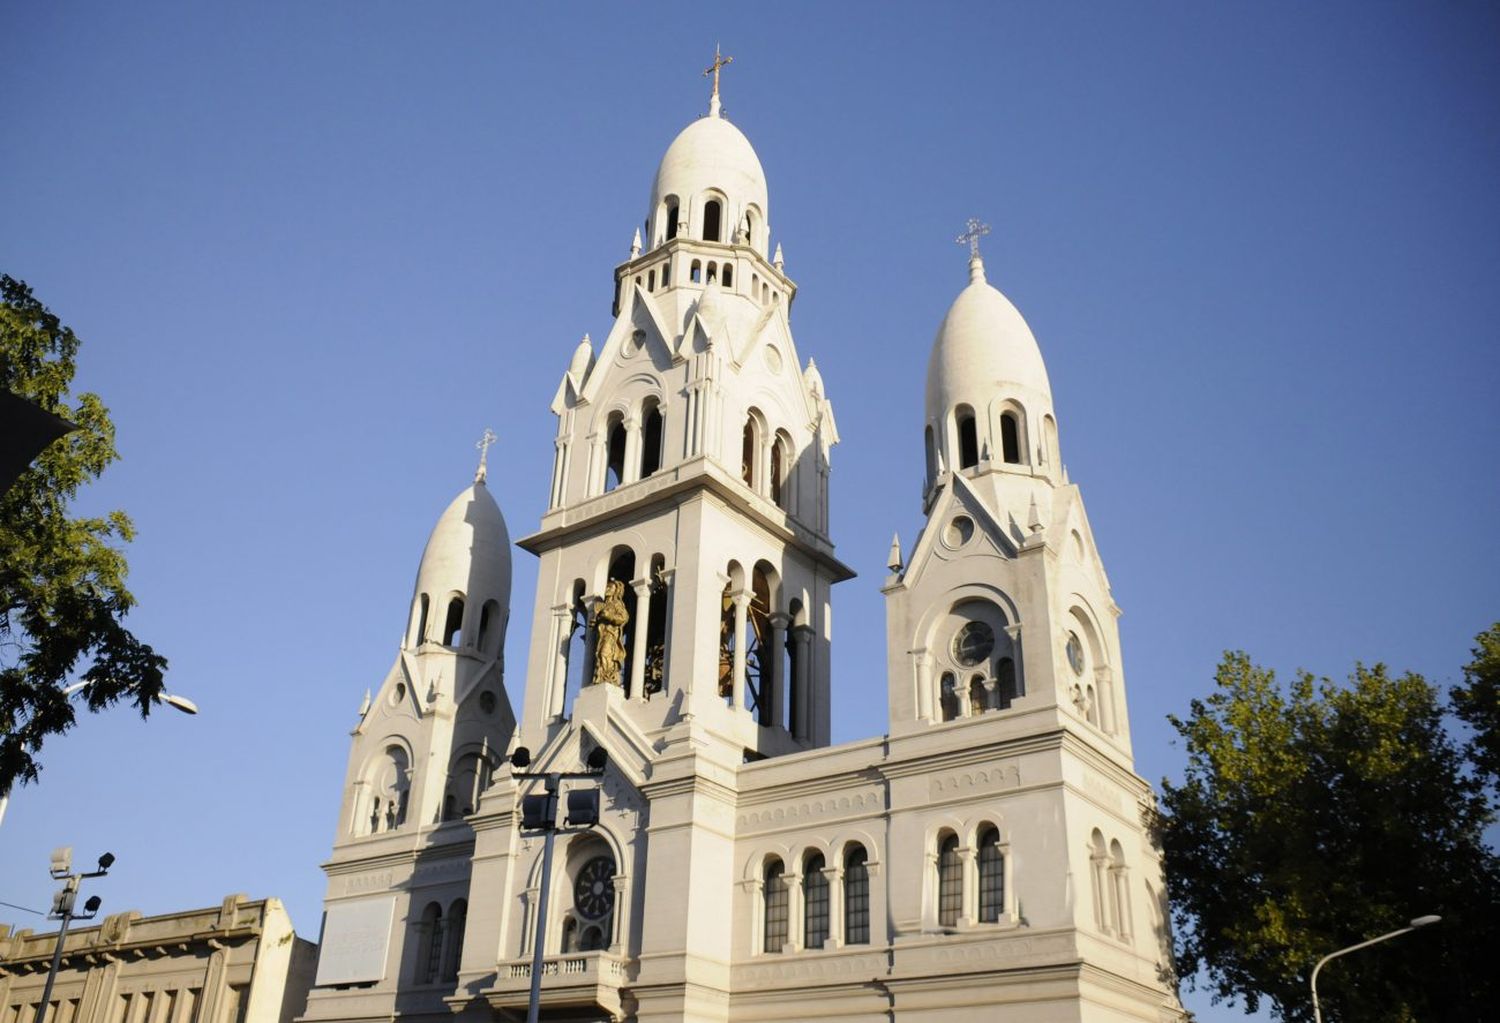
(987, 853)
(237, 962)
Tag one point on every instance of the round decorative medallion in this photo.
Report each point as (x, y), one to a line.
(594, 891)
(973, 644)
(958, 532)
(1075, 653)
(773, 358)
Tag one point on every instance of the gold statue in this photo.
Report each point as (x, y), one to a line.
(608, 621)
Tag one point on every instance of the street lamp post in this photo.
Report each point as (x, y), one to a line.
(1421, 921)
(181, 703)
(539, 816)
(62, 909)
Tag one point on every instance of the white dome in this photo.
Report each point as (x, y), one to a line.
(984, 350)
(468, 551)
(713, 155)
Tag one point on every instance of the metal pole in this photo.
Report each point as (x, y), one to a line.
(1313, 981)
(533, 1013)
(62, 933)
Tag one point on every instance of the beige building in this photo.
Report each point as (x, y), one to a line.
(239, 962)
(987, 854)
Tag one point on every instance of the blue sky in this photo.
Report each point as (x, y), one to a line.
(313, 250)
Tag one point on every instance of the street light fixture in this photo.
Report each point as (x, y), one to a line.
(1421, 921)
(62, 909)
(539, 816)
(181, 703)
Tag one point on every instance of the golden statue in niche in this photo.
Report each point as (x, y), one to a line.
(608, 621)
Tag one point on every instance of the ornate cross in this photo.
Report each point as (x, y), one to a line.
(484, 454)
(973, 231)
(713, 69)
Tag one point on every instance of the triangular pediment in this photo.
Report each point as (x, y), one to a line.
(954, 497)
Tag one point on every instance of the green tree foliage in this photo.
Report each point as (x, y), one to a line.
(62, 579)
(1316, 816)
(1477, 701)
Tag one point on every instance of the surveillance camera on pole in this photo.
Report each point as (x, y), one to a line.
(62, 909)
(539, 816)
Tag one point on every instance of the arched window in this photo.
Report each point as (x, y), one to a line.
(651, 280)
(594, 898)
(671, 220)
(728, 276)
(614, 466)
(750, 452)
(979, 698)
(420, 634)
(968, 438)
(713, 213)
(931, 451)
(1005, 676)
(430, 944)
(1049, 434)
(458, 916)
(575, 646)
(569, 934)
(390, 787)
(470, 777)
(666, 273)
(780, 465)
(950, 881)
(948, 695)
(856, 897)
(651, 440)
(1010, 438)
(489, 625)
(814, 902)
(991, 876)
(1119, 891)
(1098, 873)
(622, 570)
(777, 906)
(453, 625)
(695, 272)
(713, 271)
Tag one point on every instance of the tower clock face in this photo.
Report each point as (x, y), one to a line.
(594, 891)
(1075, 653)
(974, 642)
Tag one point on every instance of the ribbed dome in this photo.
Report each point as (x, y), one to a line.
(468, 551)
(983, 348)
(713, 154)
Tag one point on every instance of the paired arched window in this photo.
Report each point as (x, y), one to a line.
(991, 876)
(489, 626)
(389, 786)
(453, 625)
(651, 439)
(419, 633)
(968, 438)
(749, 451)
(781, 469)
(713, 215)
(614, 465)
(728, 276)
(950, 881)
(695, 272)
(458, 917)
(856, 897)
(814, 902)
(429, 962)
(777, 906)
(671, 220)
(931, 452)
(948, 695)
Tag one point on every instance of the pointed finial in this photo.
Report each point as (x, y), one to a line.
(635, 244)
(713, 69)
(973, 231)
(893, 562)
(778, 260)
(364, 705)
(1034, 517)
(484, 454)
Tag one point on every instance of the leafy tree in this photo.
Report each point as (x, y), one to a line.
(1316, 816)
(1477, 702)
(62, 579)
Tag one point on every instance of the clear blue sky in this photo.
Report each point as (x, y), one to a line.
(313, 250)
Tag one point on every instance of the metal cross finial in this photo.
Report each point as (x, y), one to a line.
(484, 454)
(713, 69)
(973, 231)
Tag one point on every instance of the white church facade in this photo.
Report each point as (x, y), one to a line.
(984, 859)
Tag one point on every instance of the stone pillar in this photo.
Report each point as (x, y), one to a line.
(773, 678)
(991, 693)
(835, 876)
(1101, 896)
(925, 703)
(562, 638)
(969, 871)
(801, 704)
(1014, 632)
(631, 470)
(621, 914)
(796, 904)
(1008, 906)
(642, 587)
(737, 674)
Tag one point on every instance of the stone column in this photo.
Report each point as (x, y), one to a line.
(925, 704)
(631, 470)
(773, 678)
(796, 925)
(737, 675)
(835, 876)
(562, 639)
(802, 636)
(1008, 906)
(1101, 896)
(621, 914)
(642, 587)
(991, 693)
(1014, 632)
(969, 872)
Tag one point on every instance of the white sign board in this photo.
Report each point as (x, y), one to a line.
(356, 937)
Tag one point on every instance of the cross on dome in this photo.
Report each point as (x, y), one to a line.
(484, 452)
(713, 69)
(974, 230)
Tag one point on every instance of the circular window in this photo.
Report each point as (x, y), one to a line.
(398, 694)
(973, 644)
(1075, 653)
(487, 702)
(958, 532)
(773, 358)
(594, 891)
